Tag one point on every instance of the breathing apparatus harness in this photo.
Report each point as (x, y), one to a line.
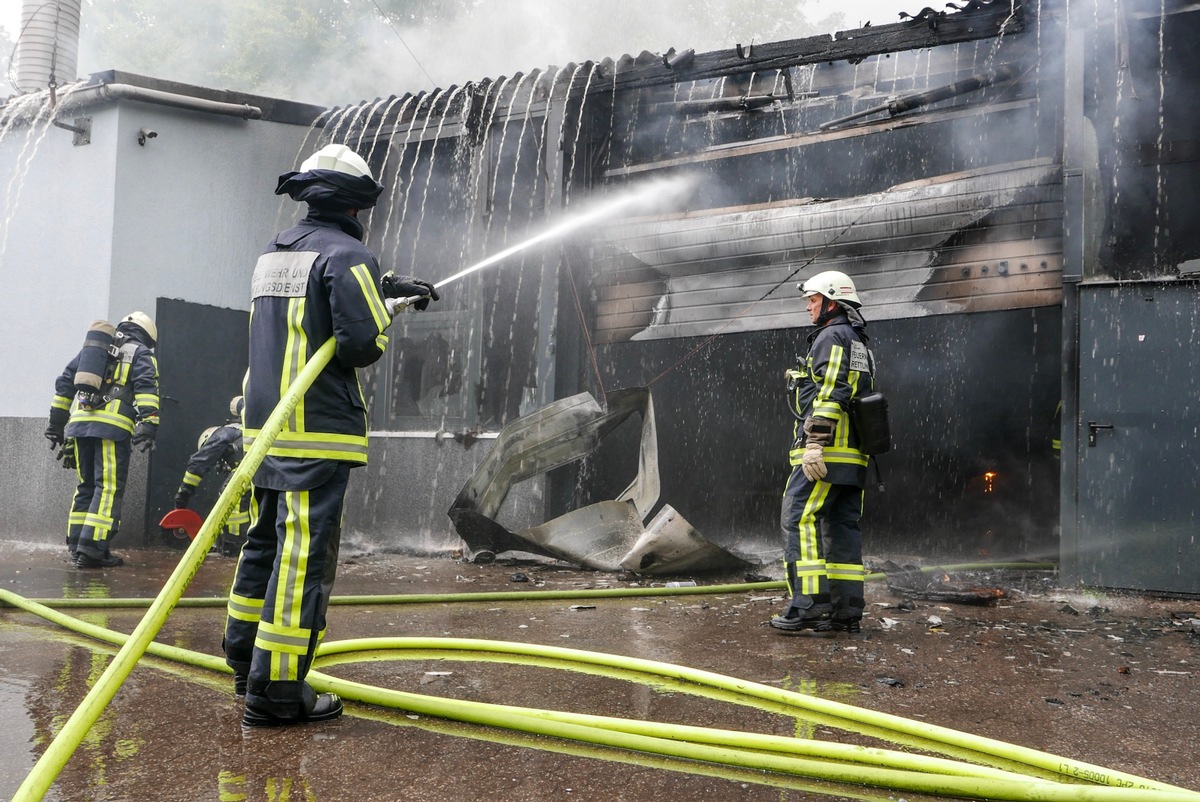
(868, 413)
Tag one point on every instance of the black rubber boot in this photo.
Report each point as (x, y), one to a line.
(240, 680)
(278, 704)
(85, 560)
(816, 618)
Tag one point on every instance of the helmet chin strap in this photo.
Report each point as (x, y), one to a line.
(829, 308)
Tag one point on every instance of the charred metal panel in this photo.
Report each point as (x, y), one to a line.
(975, 241)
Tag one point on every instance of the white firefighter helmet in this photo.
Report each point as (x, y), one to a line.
(204, 435)
(143, 322)
(236, 405)
(338, 158)
(834, 285)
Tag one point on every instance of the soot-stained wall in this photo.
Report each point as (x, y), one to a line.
(969, 395)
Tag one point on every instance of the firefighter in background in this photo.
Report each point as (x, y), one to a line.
(219, 448)
(316, 280)
(97, 430)
(828, 469)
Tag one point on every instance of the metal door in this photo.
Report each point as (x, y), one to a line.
(1139, 386)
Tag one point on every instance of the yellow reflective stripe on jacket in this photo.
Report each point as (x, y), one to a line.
(371, 293)
(147, 400)
(190, 479)
(823, 406)
(294, 358)
(104, 415)
(60, 402)
(845, 456)
(345, 447)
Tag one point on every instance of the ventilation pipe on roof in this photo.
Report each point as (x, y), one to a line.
(47, 44)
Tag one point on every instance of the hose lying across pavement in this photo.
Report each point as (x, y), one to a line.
(873, 767)
(814, 759)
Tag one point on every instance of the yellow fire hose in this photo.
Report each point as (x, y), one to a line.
(893, 770)
(520, 595)
(825, 761)
(68, 739)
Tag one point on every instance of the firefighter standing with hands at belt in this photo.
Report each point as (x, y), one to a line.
(828, 466)
(105, 402)
(316, 280)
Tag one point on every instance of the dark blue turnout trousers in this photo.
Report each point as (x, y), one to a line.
(823, 569)
(276, 612)
(102, 466)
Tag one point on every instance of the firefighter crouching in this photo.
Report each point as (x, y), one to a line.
(316, 280)
(828, 468)
(103, 406)
(219, 448)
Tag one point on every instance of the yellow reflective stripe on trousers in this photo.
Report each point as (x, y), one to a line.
(282, 636)
(244, 608)
(809, 533)
(101, 521)
(846, 571)
(282, 642)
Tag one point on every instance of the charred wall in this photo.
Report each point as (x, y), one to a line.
(969, 395)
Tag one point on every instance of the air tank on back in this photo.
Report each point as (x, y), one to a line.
(93, 362)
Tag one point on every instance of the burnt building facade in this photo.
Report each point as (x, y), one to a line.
(1007, 182)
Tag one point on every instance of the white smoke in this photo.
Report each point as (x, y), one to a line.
(491, 38)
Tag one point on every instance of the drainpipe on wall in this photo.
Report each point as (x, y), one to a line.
(1075, 238)
(92, 95)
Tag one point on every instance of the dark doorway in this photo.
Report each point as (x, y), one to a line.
(202, 357)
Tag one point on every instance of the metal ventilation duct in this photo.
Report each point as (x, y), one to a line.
(47, 44)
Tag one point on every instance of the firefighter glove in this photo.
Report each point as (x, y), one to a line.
(56, 431)
(394, 286)
(813, 462)
(143, 436)
(819, 430)
(66, 455)
(183, 497)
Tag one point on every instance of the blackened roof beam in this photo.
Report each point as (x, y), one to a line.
(976, 21)
(915, 100)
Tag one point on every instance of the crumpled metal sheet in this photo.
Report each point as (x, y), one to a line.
(671, 545)
(567, 430)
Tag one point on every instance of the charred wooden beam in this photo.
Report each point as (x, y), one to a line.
(983, 22)
(915, 100)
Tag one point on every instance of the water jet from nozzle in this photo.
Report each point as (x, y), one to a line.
(644, 196)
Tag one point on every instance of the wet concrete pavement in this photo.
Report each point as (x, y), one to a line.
(1106, 679)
